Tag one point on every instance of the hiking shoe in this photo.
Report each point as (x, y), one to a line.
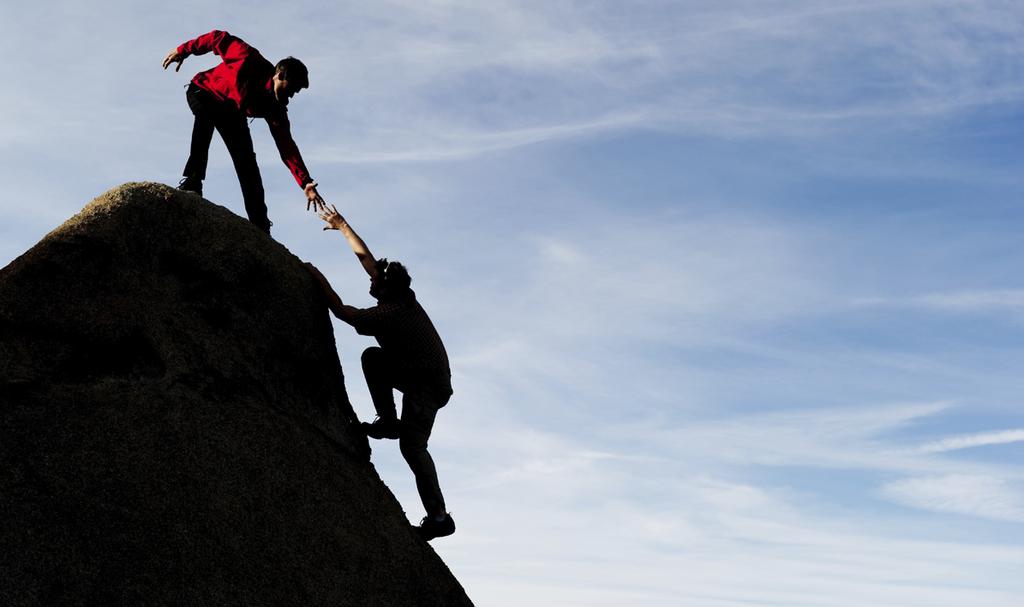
(430, 528)
(191, 184)
(382, 428)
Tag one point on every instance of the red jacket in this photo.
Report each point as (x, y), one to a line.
(245, 79)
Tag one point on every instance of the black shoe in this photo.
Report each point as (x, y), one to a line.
(430, 528)
(191, 184)
(382, 428)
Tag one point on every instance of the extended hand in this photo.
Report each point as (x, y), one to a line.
(313, 198)
(333, 218)
(174, 57)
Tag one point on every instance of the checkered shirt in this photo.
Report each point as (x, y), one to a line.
(405, 333)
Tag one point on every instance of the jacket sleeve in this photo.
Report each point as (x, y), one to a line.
(220, 42)
(281, 130)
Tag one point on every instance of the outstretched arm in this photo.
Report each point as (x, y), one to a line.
(334, 303)
(281, 130)
(220, 42)
(336, 222)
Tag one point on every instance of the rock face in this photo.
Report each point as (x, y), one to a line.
(174, 426)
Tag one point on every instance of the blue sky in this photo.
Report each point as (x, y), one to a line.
(732, 290)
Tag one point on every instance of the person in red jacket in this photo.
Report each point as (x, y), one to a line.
(222, 98)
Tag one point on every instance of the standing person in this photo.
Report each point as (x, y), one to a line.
(243, 85)
(410, 358)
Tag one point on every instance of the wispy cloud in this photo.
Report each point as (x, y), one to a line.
(448, 143)
(984, 301)
(854, 439)
(632, 519)
(454, 80)
(955, 443)
(974, 495)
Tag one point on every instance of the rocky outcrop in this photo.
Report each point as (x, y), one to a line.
(174, 426)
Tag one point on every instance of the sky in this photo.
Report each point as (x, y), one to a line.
(732, 290)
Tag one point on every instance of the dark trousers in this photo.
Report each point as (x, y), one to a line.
(211, 114)
(420, 403)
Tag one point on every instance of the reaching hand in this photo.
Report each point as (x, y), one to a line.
(333, 218)
(313, 198)
(174, 57)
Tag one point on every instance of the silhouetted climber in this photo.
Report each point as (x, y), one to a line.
(411, 359)
(244, 84)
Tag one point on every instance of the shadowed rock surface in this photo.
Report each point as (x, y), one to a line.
(174, 426)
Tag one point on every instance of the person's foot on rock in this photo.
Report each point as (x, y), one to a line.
(431, 528)
(382, 428)
(191, 184)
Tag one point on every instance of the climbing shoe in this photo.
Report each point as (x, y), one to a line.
(191, 184)
(430, 528)
(382, 428)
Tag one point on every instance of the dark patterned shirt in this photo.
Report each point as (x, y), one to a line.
(405, 333)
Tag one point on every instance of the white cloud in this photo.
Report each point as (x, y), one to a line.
(445, 142)
(452, 81)
(984, 301)
(677, 530)
(1003, 437)
(827, 438)
(975, 495)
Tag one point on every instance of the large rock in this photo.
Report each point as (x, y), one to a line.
(174, 426)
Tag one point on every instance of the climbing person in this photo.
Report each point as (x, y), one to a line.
(243, 85)
(410, 358)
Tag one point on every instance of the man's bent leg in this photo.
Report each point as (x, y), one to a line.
(379, 376)
(419, 409)
(238, 140)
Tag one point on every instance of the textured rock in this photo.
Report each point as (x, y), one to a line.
(174, 426)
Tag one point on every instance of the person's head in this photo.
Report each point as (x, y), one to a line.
(392, 281)
(290, 76)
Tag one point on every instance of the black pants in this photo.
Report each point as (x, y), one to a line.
(420, 402)
(211, 114)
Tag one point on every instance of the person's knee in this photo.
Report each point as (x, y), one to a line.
(412, 447)
(372, 357)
